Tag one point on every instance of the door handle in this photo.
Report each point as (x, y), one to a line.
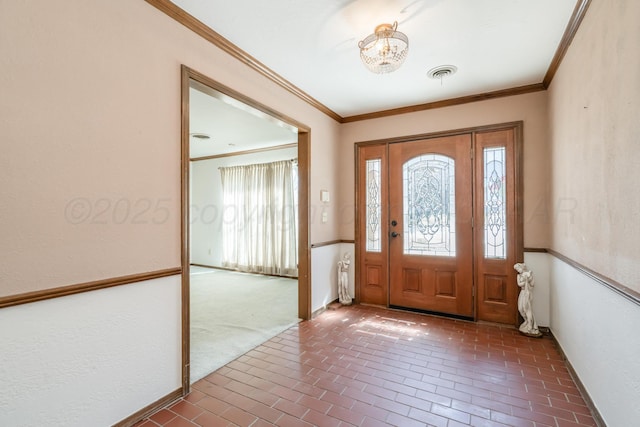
(394, 234)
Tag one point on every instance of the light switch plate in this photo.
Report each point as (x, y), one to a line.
(324, 196)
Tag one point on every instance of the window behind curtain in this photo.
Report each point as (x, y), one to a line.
(260, 221)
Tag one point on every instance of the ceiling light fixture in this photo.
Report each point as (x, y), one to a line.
(385, 50)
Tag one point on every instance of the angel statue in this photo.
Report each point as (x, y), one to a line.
(525, 282)
(343, 279)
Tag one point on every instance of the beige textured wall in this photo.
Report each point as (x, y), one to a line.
(594, 101)
(530, 108)
(90, 127)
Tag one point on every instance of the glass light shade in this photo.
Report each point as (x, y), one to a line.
(385, 50)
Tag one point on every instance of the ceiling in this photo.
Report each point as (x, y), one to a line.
(230, 125)
(313, 45)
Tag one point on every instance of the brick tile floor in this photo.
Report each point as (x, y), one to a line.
(367, 366)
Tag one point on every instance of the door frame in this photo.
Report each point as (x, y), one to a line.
(304, 174)
(517, 127)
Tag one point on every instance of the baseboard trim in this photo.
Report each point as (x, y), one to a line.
(95, 285)
(150, 409)
(194, 264)
(597, 417)
(323, 309)
(240, 271)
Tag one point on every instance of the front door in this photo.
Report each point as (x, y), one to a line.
(431, 235)
(439, 228)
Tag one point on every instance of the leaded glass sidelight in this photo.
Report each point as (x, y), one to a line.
(374, 208)
(428, 188)
(495, 203)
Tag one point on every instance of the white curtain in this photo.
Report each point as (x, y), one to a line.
(260, 220)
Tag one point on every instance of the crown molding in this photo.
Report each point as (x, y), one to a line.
(210, 35)
(572, 28)
(184, 18)
(244, 152)
(446, 102)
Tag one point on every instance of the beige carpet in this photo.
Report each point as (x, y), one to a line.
(231, 313)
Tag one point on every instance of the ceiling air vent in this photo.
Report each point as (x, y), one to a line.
(200, 135)
(438, 73)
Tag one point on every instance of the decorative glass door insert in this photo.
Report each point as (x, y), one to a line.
(374, 205)
(429, 205)
(495, 203)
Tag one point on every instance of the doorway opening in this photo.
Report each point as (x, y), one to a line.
(225, 130)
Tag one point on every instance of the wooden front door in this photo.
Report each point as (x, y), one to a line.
(431, 235)
(439, 223)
